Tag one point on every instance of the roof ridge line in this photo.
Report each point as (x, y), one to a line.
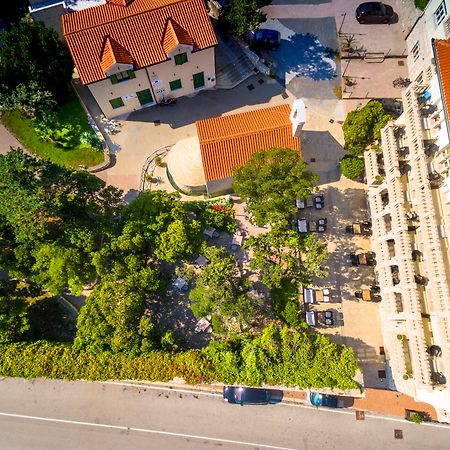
(121, 18)
(245, 133)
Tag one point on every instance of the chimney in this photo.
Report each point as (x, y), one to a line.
(298, 116)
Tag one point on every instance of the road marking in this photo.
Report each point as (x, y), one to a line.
(142, 430)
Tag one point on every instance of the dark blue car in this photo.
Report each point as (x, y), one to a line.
(246, 396)
(264, 38)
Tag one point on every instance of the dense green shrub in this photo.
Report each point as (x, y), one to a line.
(275, 357)
(218, 214)
(362, 126)
(421, 4)
(352, 167)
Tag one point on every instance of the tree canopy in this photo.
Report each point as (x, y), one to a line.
(271, 182)
(362, 127)
(240, 16)
(30, 52)
(282, 254)
(220, 290)
(53, 219)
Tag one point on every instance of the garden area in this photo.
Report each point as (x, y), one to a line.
(37, 101)
(61, 230)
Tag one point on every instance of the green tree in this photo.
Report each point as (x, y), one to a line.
(30, 99)
(239, 16)
(14, 322)
(352, 167)
(53, 219)
(271, 182)
(30, 52)
(114, 317)
(179, 241)
(282, 254)
(219, 289)
(362, 126)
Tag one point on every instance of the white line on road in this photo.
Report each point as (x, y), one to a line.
(142, 430)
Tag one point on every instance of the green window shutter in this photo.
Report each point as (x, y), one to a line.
(181, 59)
(145, 97)
(131, 73)
(174, 85)
(114, 79)
(199, 80)
(116, 102)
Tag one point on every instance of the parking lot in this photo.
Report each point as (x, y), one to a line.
(356, 322)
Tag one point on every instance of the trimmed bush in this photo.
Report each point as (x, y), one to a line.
(352, 167)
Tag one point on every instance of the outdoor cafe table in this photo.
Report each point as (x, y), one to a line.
(237, 239)
(362, 259)
(367, 295)
(357, 228)
(179, 283)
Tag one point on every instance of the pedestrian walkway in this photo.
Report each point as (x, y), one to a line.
(7, 140)
(391, 403)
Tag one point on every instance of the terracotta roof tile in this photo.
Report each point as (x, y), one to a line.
(138, 27)
(442, 48)
(230, 141)
(174, 35)
(114, 53)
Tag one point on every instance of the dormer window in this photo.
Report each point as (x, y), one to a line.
(180, 59)
(122, 76)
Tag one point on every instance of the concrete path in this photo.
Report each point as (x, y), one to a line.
(7, 140)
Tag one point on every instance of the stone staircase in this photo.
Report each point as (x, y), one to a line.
(234, 73)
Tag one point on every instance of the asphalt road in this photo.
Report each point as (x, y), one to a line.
(43, 414)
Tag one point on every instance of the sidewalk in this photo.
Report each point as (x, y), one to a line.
(7, 140)
(391, 403)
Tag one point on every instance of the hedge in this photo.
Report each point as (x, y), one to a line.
(275, 357)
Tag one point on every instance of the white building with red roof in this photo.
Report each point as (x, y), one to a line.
(136, 53)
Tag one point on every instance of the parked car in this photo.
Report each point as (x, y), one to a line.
(329, 401)
(264, 38)
(311, 318)
(328, 317)
(242, 395)
(374, 12)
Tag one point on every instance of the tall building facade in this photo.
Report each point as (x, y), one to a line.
(409, 196)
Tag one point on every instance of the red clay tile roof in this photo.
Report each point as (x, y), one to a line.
(174, 35)
(442, 48)
(230, 141)
(114, 53)
(138, 27)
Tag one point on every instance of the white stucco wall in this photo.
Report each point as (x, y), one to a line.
(426, 29)
(157, 79)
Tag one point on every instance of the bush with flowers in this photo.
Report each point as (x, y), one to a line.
(218, 214)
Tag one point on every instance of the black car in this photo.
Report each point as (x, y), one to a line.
(246, 395)
(264, 38)
(374, 12)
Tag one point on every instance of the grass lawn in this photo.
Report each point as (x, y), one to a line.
(71, 112)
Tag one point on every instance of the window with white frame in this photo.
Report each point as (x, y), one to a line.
(415, 52)
(447, 28)
(440, 13)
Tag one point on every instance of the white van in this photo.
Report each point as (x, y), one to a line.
(311, 318)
